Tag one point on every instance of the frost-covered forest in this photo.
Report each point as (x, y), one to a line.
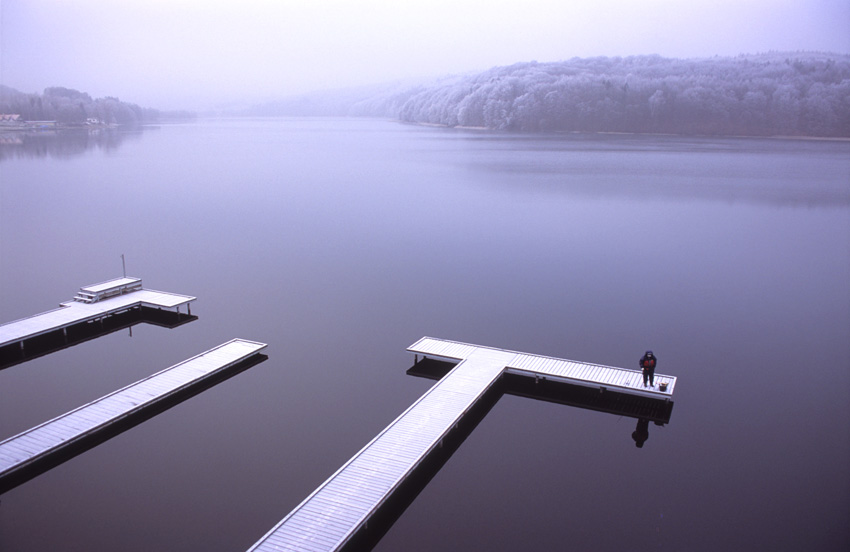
(69, 106)
(773, 94)
(799, 94)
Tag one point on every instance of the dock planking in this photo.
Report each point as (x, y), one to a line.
(92, 303)
(20, 454)
(610, 378)
(333, 516)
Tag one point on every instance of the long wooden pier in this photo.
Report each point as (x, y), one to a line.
(91, 304)
(20, 454)
(342, 506)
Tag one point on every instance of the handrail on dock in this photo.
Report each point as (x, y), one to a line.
(110, 288)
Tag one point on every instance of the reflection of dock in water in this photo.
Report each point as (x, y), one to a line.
(96, 310)
(602, 379)
(563, 392)
(36, 450)
(357, 504)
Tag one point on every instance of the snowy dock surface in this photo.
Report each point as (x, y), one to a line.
(328, 518)
(91, 303)
(64, 431)
(621, 380)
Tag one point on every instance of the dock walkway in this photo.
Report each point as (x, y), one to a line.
(53, 437)
(335, 512)
(92, 303)
(608, 378)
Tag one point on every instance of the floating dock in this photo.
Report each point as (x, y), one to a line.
(333, 515)
(92, 304)
(605, 378)
(20, 455)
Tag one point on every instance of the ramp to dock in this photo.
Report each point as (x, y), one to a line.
(334, 513)
(37, 445)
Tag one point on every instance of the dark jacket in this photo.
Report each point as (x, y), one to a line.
(648, 362)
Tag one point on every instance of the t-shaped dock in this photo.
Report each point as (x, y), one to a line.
(335, 512)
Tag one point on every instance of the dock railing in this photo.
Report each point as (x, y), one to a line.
(110, 288)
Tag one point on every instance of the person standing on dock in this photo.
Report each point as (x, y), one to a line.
(647, 365)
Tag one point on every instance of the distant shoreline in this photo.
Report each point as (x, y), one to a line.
(37, 127)
(41, 126)
(593, 132)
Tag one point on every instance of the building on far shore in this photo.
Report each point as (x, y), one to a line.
(13, 121)
(42, 125)
(10, 119)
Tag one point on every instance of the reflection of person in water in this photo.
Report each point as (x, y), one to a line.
(641, 432)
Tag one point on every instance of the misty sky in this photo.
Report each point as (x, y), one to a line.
(201, 53)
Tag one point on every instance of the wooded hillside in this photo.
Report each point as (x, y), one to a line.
(69, 106)
(800, 94)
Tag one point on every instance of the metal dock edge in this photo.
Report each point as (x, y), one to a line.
(39, 444)
(333, 515)
(91, 303)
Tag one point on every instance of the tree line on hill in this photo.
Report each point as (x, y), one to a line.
(799, 94)
(790, 94)
(71, 107)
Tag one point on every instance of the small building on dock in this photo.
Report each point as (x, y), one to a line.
(92, 305)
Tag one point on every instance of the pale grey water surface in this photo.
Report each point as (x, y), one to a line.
(342, 241)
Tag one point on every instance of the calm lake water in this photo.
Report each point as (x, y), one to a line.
(340, 242)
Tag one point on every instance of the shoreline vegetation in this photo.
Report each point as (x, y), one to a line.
(620, 133)
(777, 94)
(791, 95)
(59, 108)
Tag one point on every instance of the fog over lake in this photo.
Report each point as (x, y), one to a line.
(219, 54)
(338, 179)
(340, 242)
